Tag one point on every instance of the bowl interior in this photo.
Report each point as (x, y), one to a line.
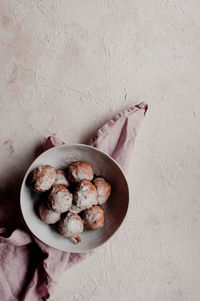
(115, 209)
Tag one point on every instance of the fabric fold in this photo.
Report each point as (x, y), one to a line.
(117, 136)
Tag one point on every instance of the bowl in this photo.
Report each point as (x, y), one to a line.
(115, 208)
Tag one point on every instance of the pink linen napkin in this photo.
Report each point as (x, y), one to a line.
(29, 268)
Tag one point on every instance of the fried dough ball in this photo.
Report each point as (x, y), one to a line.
(103, 190)
(48, 216)
(60, 199)
(61, 178)
(85, 195)
(71, 225)
(42, 178)
(93, 218)
(80, 170)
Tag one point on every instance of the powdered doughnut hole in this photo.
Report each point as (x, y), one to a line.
(61, 178)
(85, 195)
(46, 215)
(103, 190)
(93, 218)
(71, 225)
(42, 178)
(59, 199)
(80, 170)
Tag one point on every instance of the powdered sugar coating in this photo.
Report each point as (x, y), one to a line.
(94, 218)
(80, 171)
(75, 209)
(60, 199)
(71, 225)
(42, 178)
(103, 190)
(46, 215)
(61, 178)
(85, 195)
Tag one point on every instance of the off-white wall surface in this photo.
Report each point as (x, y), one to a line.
(67, 67)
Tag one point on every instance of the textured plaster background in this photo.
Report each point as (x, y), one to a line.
(68, 66)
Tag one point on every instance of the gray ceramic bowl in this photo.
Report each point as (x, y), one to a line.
(115, 208)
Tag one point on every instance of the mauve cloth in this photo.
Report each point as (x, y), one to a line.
(29, 268)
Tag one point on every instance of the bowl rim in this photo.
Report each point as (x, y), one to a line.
(74, 145)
